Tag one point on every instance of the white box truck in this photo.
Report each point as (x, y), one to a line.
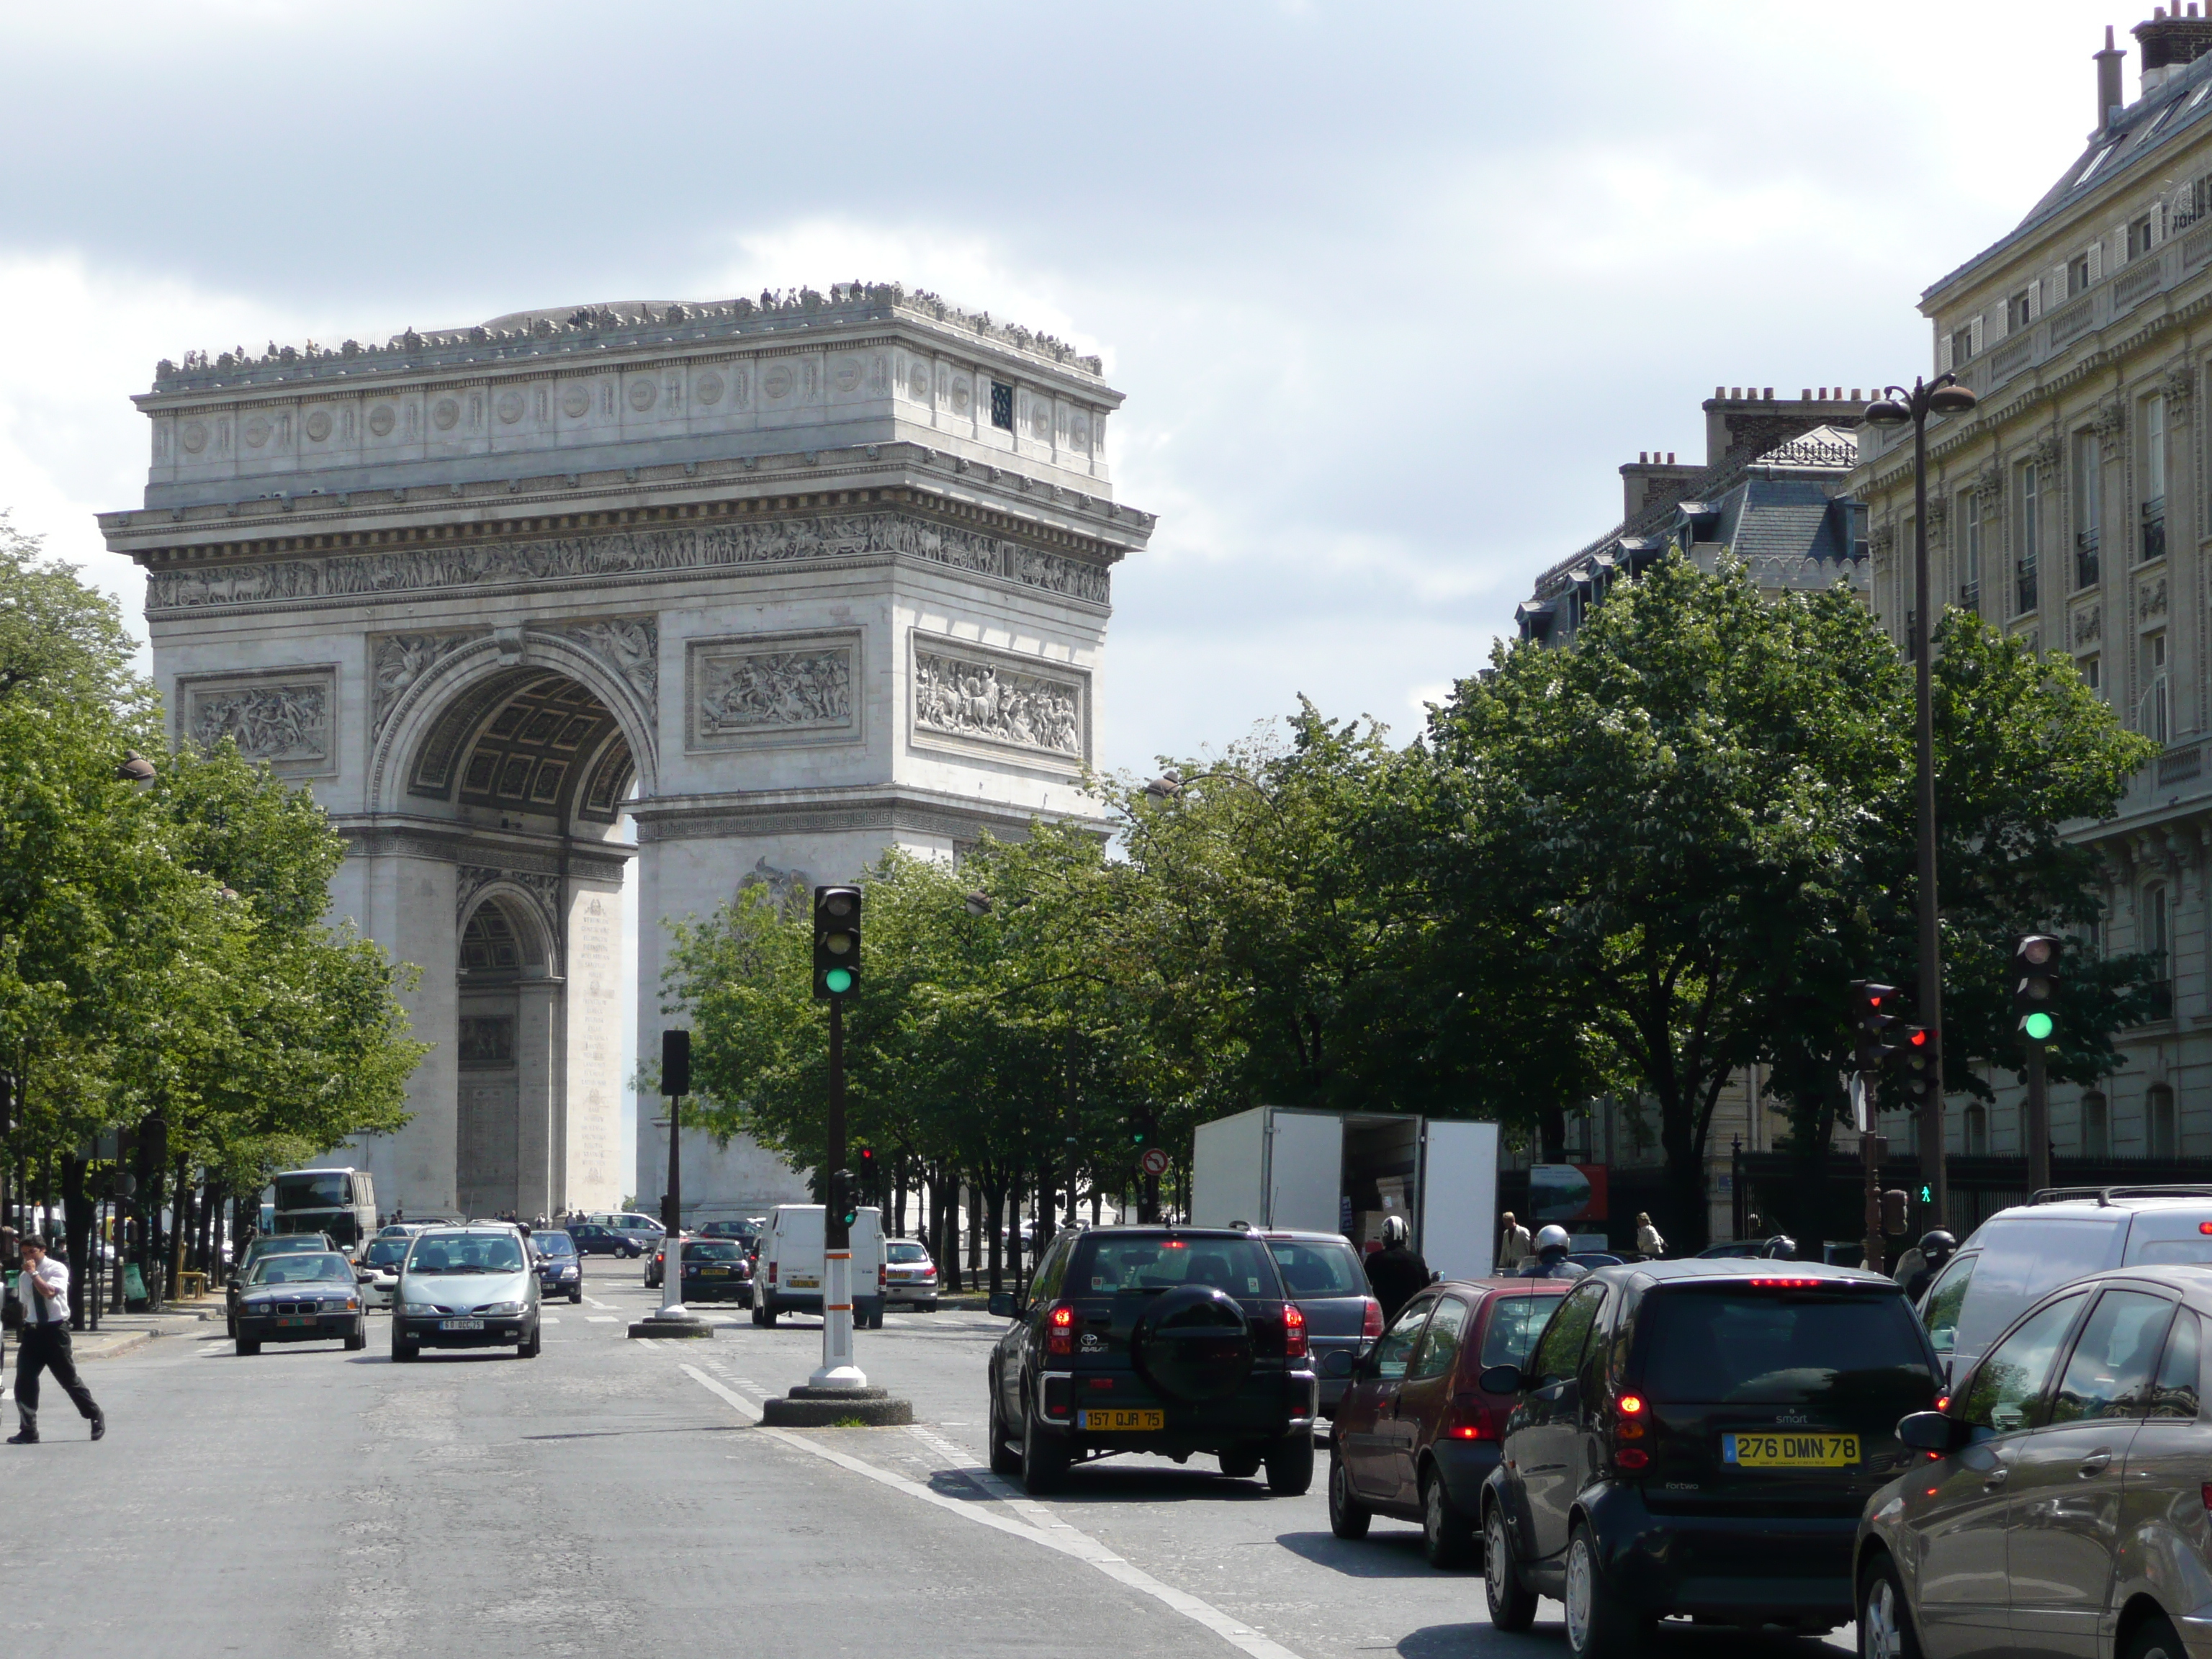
(1281, 1167)
(787, 1278)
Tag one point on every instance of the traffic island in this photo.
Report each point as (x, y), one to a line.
(806, 1407)
(680, 1328)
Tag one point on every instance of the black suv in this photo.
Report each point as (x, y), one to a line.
(1167, 1340)
(1699, 1438)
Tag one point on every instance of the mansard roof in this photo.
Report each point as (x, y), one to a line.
(2148, 135)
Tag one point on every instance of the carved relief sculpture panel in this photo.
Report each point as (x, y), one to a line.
(761, 691)
(964, 694)
(286, 717)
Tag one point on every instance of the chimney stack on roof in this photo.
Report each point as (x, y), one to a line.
(2108, 80)
(2171, 43)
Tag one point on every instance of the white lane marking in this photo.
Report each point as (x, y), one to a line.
(549, 1319)
(1049, 1530)
(600, 1319)
(596, 1302)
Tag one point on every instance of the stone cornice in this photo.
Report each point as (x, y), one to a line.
(2034, 394)
(821, 811)
(999, 497)
(401, 835)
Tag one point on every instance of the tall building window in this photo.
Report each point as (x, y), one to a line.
(1970, 551)
(1977, 1130)
(2157, 1107)
(2029, 523)
(2151, 712)
(1962, 346)
(2139, 238)
(2096, 1126)
(2153, 545)
(2088, 507)
(2018, 312)
(2092, 672)
(2077, 274)
(2158, 945)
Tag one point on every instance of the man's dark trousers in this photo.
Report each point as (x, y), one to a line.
(46, 1348)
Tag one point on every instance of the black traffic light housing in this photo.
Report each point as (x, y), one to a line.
(836, 942)
(1871, 1024)
(2038, 976)
(1916, 1044)
(844, 1202)
(675, 1064)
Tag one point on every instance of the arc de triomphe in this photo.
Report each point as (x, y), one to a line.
(781, 583)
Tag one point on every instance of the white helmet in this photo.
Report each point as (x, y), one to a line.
(1553, 1237)
(1395, 1230)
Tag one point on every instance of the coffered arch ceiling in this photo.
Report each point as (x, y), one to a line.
(527, 742)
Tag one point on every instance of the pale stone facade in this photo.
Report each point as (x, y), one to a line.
(782, 583)
(2069, 507)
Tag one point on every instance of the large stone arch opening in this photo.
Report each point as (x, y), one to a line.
(510, 768)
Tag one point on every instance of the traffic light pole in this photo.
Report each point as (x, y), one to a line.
(838, 1370)
(1873, 1152)
(671, 1217)
(2039, 1120)
(1931, 935)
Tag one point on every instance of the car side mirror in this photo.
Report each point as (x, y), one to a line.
(1932, 1431)
(1499, 1379)
(1337, 1362)
(1002, 1304)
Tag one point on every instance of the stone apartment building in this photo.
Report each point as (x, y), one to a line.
(2069, 507)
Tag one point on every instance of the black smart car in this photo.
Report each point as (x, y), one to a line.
(1699, 1438)
(1163, 1339)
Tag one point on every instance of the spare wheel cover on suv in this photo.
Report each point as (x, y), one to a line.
(1193, 1343)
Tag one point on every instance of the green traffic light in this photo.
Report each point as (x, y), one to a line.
(2039, 1026)
(838, 981)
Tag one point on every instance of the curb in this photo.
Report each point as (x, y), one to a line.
(827, 1408)
(125, 1342)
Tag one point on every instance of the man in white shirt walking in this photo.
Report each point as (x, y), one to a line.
(43, 1288)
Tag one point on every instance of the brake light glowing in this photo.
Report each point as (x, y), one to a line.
(1470, 1418)
(1060, 1330)
(1371, 1325)
(1942, 1402)
(1294, 1331)
(2204, 1226)
(1629, 1405)
(1175, 1244)
(1786, 1283)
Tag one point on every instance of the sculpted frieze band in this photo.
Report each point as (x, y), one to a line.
(400, 660)
(342, 576)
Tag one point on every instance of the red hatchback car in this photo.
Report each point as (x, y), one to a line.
(1415, 1437)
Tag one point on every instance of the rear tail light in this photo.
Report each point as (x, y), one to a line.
(1629, 1429)
(1469, 1418)
(879, 1277)
(1371, 1325)
(1788, 1283)
(2205, 1492)
(1060, 1329)
(1294, 1331)
(771, 1272)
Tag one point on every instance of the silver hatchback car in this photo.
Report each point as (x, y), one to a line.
(2057, 1504)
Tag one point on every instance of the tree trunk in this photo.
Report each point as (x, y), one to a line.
(77, 1219)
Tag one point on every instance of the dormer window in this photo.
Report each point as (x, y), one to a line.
(2095, 162)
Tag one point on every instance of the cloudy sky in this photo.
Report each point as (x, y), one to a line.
(1392, 290)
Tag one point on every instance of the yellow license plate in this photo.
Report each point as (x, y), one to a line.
(1124, 1421)
(1790, 1451)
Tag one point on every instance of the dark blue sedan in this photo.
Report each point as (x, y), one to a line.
(560, 1266)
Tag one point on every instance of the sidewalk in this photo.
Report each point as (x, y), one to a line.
(122, 1332)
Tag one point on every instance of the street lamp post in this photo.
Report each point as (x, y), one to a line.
(1893, 406)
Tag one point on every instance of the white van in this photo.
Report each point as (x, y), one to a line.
(2017, 1255)
(787, 1278)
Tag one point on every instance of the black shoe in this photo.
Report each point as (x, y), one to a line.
(99, 1427)
(20, 1438)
